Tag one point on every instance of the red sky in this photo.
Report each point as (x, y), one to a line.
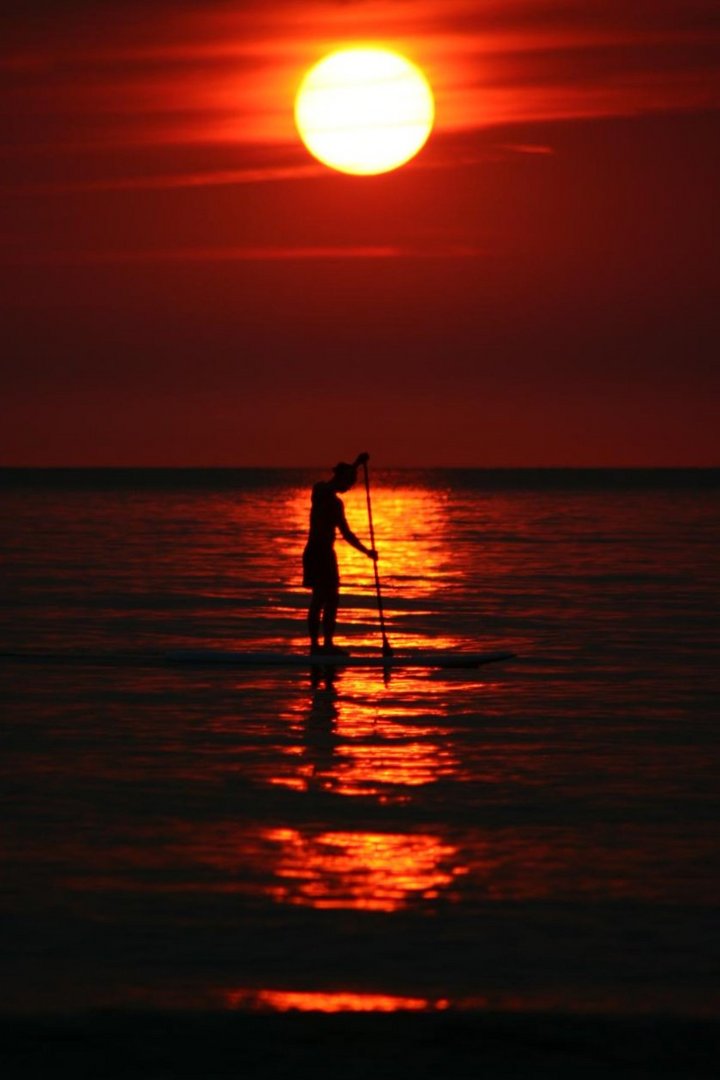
(182, 285)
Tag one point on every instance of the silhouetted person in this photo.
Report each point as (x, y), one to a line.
(320, 568)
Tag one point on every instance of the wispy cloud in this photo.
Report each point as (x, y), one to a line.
(171, 181)
(131, 76)
(233, 70)
(246, 254)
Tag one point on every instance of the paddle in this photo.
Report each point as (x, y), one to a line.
(386, 646)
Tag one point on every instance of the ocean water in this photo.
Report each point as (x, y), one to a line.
(540, 834)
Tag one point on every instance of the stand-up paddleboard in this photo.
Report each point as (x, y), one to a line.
(408, 659)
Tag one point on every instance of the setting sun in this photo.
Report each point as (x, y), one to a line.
(364, 111)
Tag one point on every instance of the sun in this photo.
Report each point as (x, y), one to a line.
(364, 110)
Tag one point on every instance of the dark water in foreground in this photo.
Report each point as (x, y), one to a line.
(540, 835)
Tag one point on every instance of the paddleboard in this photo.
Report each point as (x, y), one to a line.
(409, 659)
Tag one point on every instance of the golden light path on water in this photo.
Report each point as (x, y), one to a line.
(423, 570)
(345, 753)
(415, 560)
(345, 735)
(369, 871)
(342, 750)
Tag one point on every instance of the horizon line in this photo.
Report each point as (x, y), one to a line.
(325, 467)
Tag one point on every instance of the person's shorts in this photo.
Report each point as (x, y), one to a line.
(320, 572)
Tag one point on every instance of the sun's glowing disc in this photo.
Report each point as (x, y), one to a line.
(364, 110)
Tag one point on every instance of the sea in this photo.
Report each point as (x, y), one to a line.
(537, 836)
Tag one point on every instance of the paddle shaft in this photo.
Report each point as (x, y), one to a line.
(387, 649)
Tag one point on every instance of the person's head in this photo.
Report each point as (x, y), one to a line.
(344, 476)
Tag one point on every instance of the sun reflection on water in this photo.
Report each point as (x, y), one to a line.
(352, 750)
(416, 561)
(318, 1001)
(357, 741)
(364, 870)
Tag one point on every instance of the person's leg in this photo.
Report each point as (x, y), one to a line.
(314, 611)
(330, 608)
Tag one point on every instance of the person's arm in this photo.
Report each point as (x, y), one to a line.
(349, 535)
(361, 459)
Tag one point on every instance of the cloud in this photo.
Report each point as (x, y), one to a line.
(130, 77)
(186, 255)
(219, 61)
(171, 181)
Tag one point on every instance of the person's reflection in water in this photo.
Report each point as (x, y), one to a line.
(319, 736)
(320, 568)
